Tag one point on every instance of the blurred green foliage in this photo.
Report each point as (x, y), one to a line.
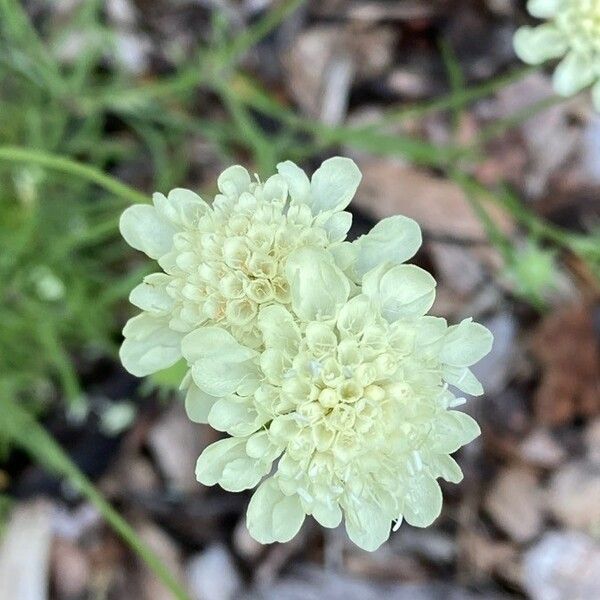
(63, 268)
(64, 272)
(72, 131)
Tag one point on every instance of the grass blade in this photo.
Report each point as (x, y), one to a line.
(16, 154)
(20, 428)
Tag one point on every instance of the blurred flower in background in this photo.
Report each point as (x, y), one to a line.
(571, 33)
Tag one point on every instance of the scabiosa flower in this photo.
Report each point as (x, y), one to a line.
(345, 411)
(572, 32)
(222, 262)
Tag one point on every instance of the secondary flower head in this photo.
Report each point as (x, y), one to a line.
(222, 262)
(346, 408)
(572, 32)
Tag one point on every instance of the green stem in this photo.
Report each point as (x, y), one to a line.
(456, 99)
(365, 138)
(536, 226)
(209, 66)
(501, 126)
(585, 247)
(20, 427)
(259, 31)
(16, 154)
(494, 233)
(251, 133)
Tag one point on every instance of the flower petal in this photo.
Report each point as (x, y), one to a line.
(151, 295)
(243, 474)
(367, 525)
(535, 45)
(327, 515)
(149, 345)
(214, 342)
(273, 364)
(423, 501)
(225, 462)
(217, 377)
(220, 365)
(463, 379)
(317, 286)
(452, 429)
(395, 239)
(275, 189)
(297, 180)
(273, 517)
(182, 207)
(215, 457)
(465, 344)
(574, 73)
(355, 316)
(338, 225)
(143, 229)
(334, 184)
(234, 181)
(544, 9)
(198, 404)
(261, 445)
(403, 291)
(344, 256)
(279, 329)
(235, 416)
(444, 466)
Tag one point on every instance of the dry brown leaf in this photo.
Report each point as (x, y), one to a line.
(563, 566)
(515, 504)
(325, 61)
(566, 346)
(574, 495)
(439, 205)
(484, 556)
(441, 209)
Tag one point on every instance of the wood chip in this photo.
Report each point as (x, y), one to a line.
(540, 449)
(563, 566)
(566, 346)
(441, 209)
(25, 552)
(515, 503)
(574, 495)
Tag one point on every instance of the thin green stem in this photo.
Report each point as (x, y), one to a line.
(494, 233)
(18, 426)
(209, 66)
(500, 126)
(365, 138)
(585, 247)
(455, 79)
(456, 99)
(16, 154)
(253, 136)
(258, 32)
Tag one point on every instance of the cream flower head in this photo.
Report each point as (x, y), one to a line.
(572, 32)
(224, 261)
(345, 411)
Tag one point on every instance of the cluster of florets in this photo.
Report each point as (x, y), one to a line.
(572, 32)
(222, 262)
(334, 389)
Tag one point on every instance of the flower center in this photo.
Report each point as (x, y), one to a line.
(231, 262)
(580, 22)
(338, 395)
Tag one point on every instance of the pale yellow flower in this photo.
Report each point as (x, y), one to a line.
(222, 262)
(345, 411)
(572, 32)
